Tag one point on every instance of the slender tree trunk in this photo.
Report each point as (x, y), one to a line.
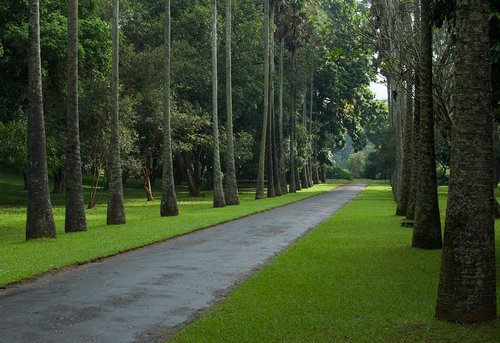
(271, 193)
(427, 227)
(231, 185)
(402, 207)
(147, 185)
(168, 206)
(75, 214)
(293, 171)
(40, 220)
(262, 156)
(272, 111)
(316, 179)
(311, 97)
(467, 287)
(219, 199)
(58, 181)
(281, 149)
(116, 206)
(304, 175)
(410, 211)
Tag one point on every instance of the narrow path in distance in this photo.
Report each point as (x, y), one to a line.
(147, 294)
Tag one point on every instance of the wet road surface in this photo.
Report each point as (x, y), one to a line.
(148, 294)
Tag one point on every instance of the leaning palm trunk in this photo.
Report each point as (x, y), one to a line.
(168, 205)
(262, 155)
(116, 206)
(467, 289)
(219, 200)
(40, 220)
(75, 220)
(427, 227)
(231, 186)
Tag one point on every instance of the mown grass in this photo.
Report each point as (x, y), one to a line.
(21, 260)
(353, 279)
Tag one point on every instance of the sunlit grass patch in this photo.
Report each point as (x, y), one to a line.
(355, 278)
(20, 259)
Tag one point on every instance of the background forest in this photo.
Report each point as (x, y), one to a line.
(339, 61)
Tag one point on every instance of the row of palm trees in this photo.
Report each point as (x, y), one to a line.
(40, 221)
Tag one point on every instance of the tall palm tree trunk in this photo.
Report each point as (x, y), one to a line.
(231, 185)
(467, 288)
(415, 151)
(427, 227)
(293, 182)
(272, 111)
(219, 199)
(40, 220)
(75, 220)
(310, 128)
(262, 155)
(116, 206)
(168, 205)
(281, 149)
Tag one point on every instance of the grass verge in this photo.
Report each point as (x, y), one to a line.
(20, 260)
(353, 279)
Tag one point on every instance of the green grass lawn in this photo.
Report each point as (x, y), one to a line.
(21, 260)
(353, 279)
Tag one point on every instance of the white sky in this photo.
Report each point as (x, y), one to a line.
(379, 89)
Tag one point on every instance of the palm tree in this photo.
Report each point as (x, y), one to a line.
(168, 205)
(116, 206)
(467, 289)
(272, 112)
(219, 200)
(75, 213)
(231, 185)
(427, 227)
(262, 156)
(40, 220)
(281, 148)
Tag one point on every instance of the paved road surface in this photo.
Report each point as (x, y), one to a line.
(145, 295)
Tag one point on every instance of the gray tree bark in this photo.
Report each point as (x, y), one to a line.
(262, 155)
(427, 227)
(293, 179)
(281, 149)
(116, 206)
(75, 220)
(219, 199)
(231, 185)
(415, 150)
(40, 219)
(467, 286)
(168, 206)
(272, 109)
(407, 157)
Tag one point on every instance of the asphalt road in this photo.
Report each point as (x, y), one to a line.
(146, 295)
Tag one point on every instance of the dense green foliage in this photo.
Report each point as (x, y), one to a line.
(353, 279)
(339, 60)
